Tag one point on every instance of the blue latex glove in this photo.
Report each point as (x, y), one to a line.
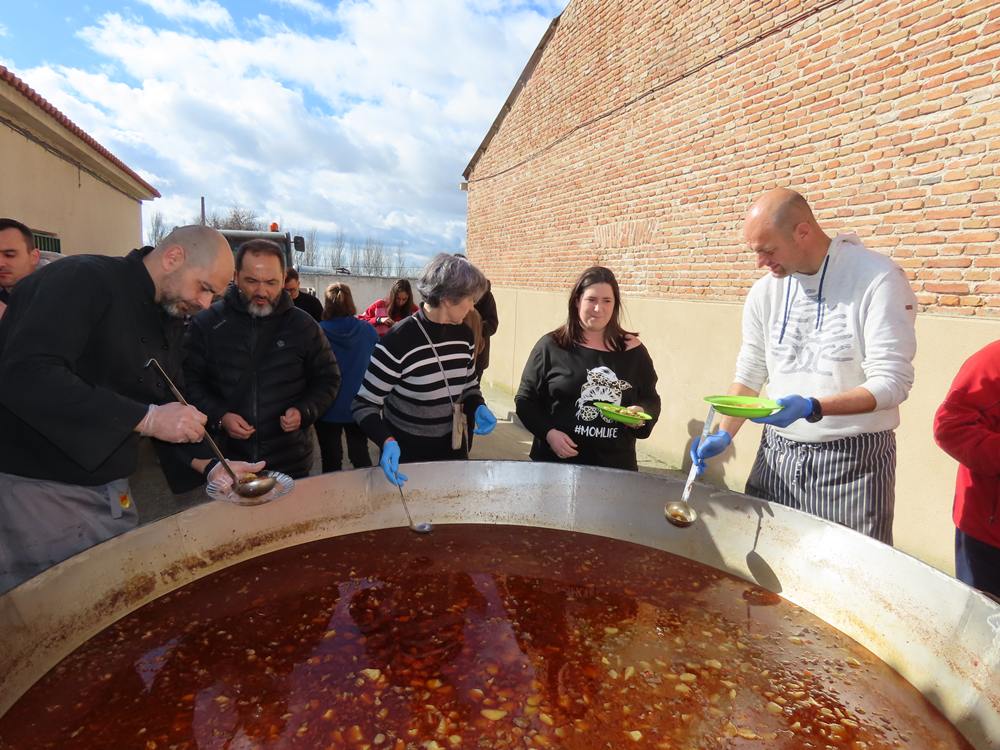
(390, 463)
(714, 445)
(485, 421)
(793, 408)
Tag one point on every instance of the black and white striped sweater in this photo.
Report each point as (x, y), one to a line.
(403, 390)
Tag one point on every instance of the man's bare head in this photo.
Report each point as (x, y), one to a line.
(190, 266)
(781, 229)
(782, 209)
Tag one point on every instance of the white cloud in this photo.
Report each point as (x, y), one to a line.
(312, 8)
(207, 12)
(367, 131)
(267, 26)
(3, 30)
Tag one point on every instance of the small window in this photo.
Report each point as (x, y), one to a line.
(47, 242)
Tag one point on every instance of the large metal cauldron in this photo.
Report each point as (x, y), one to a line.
(940, 635)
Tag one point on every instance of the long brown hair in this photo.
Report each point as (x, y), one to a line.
(571, 332)
(400, 285)
(338, 301)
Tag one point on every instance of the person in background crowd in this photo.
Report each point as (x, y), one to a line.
(76, 394)
(474, 322)
(486, 306)
(302, 300)
(967, 427)
(589, 358)
(421, 387)
(259, 367)
(352, 341)
(385, 313)
(830, 329)
(18, 257)
(487, 309)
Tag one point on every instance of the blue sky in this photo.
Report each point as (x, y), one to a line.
(355, 116)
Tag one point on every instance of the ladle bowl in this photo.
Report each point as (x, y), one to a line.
(418, 528)
(680, 513)
(253, 488)
(264, 490)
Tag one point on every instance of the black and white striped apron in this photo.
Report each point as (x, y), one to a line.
(850, 481)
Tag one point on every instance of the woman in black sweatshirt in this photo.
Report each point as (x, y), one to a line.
(590, 358)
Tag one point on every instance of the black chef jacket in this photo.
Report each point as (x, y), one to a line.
(73, 383)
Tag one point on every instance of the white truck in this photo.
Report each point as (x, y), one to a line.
(236, 237)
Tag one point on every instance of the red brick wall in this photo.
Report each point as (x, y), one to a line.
(885, 114)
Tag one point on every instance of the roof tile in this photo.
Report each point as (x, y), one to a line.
(37, 99)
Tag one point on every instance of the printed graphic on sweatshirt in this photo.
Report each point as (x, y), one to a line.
(601, 385)
(817, 339)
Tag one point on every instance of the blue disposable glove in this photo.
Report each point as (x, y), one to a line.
(485, 421)
(390, 463)
(793, 408)
(714, 445)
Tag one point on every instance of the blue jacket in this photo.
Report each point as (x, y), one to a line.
(352, 341)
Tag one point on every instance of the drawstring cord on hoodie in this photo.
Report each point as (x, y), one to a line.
(820, 310)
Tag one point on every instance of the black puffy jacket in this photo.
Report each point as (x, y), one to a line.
(298, 370)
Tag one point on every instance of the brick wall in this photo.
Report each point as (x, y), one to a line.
(648, 126)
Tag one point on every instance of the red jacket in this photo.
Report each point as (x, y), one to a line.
(967, 427)
(378, 310)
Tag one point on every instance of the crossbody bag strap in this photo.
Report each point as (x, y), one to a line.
(434, 349)
(447, 385)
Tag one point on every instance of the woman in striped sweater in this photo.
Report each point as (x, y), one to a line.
(421, 369)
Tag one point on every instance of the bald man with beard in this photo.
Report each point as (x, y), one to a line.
(830, 330)
(75, 393)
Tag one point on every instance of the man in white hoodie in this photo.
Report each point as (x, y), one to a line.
(830, 329)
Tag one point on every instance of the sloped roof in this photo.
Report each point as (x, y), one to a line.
(7, 77)
(512, 97)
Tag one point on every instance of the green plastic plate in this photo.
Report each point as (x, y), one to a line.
(743, 406)
(617, 413)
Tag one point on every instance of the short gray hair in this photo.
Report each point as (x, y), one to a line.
(449, 277)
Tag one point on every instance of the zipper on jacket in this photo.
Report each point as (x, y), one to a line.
(255, 452)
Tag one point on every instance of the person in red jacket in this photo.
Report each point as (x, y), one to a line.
(967, 428)
(385, 313)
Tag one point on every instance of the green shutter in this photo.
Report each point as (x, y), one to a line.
(48, 242)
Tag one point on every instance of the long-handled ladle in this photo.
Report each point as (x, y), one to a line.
(680, 513)
(419, 528)
(253, 488)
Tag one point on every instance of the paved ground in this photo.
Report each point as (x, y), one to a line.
(509, 441)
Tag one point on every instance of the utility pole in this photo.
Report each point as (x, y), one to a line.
(203, 210)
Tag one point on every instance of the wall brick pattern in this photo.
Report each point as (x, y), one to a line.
(648, 126)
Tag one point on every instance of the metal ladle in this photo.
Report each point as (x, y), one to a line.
(253, 488)
(419, 528)
(680, 513)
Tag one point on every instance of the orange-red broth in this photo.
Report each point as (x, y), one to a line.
(472, 637)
